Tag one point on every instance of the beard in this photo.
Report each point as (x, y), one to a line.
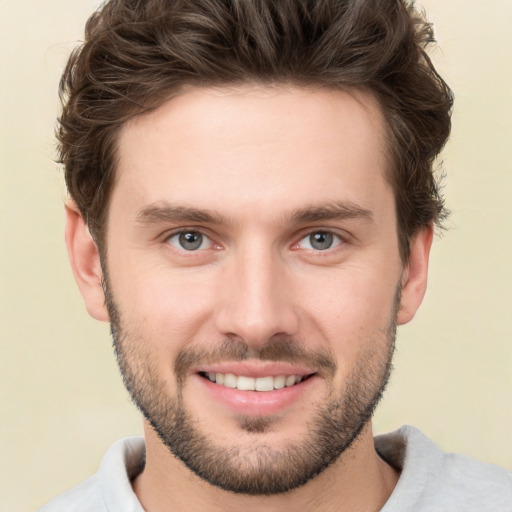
(258, 469)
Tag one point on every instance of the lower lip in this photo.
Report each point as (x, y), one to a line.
(257, 403)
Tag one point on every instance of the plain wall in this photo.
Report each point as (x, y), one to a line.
(62, 401)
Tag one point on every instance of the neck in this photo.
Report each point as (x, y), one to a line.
(358, 480)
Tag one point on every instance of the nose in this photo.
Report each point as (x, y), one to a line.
(256, 301)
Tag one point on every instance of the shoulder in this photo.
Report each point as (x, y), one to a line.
(110, 488)
(433, 480)
(81, 498)
(471, 482)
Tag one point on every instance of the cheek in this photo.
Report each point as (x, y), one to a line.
(168, 309)
(351, 309)
(358, 293)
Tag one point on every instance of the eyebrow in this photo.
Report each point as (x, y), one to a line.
(337, 210)
(166, 212)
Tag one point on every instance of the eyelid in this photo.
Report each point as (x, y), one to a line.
(342, 238)
(178, 231)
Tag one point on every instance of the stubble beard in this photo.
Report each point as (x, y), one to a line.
(259, 469)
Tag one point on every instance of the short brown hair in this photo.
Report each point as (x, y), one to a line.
(138, 53)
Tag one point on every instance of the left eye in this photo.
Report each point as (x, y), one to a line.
(320, 241)
(190, 241)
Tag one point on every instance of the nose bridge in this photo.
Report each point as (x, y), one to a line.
(257, 304)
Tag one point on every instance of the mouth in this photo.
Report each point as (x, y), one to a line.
(253, 388)
(261, 384)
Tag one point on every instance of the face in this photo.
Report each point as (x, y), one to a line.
(253, 278)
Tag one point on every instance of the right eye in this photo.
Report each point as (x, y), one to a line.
(320, 241)
(190, 241)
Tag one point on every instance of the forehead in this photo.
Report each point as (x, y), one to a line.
(253, 149)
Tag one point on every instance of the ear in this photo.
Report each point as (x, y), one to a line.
(85, 262)
(414, 276)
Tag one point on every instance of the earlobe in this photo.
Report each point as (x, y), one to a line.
(85, 262)
(414, 276)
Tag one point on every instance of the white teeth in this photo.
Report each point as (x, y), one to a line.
(279, 382)
(230, 380)
(290, 380)
(245, 383)
(264, 384)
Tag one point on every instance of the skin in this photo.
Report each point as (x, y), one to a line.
(255, 158)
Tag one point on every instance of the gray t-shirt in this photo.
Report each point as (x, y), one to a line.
(430, 480)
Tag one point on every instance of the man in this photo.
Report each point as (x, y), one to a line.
(252, 207)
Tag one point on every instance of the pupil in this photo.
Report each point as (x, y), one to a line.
(321, 240)
(191, 240)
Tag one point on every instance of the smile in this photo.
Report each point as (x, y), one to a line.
(245, 383)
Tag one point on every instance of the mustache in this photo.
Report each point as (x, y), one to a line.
(279, 348)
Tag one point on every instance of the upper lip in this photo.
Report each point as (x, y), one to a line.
(255, 368)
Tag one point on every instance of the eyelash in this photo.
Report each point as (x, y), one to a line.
(205, 238)
(336, 239)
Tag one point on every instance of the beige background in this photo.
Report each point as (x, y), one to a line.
(62, 402)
